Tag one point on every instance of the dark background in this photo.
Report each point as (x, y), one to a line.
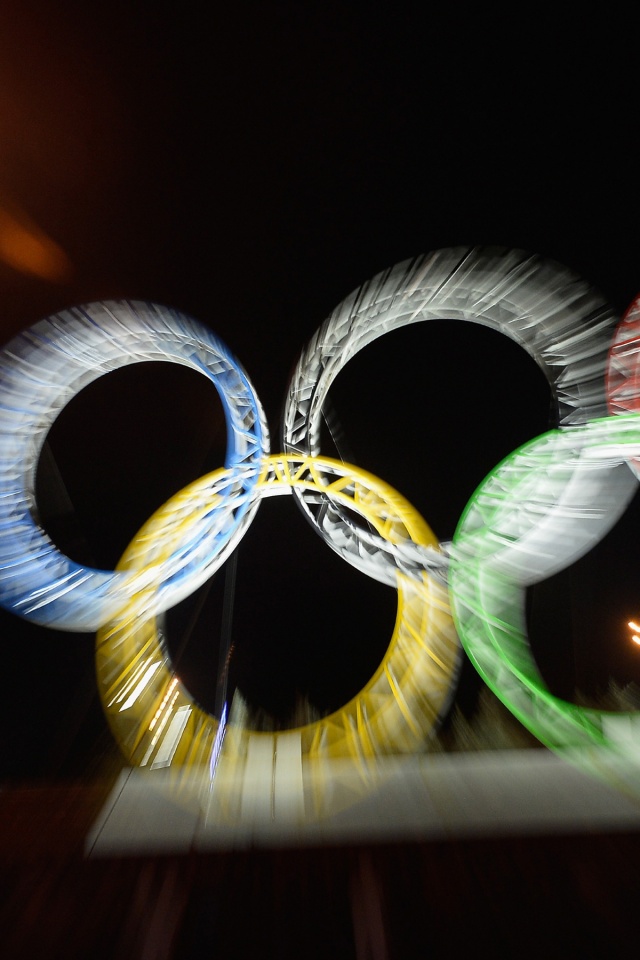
(252, 165)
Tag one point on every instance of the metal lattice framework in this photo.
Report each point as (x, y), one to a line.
(540, 510)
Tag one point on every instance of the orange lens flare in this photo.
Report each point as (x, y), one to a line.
(26, 248)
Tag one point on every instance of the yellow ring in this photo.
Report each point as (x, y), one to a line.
(155, 720)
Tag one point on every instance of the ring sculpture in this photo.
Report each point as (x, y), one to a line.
(537, 512)
(40, 371)
(397, 705)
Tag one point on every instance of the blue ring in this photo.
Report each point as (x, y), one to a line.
(41, 369)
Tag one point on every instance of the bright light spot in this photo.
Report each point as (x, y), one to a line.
(131, 699)
(162, 705)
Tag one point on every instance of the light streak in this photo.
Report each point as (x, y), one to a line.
(146, 679)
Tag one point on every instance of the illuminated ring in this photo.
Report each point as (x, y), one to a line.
(562, 323)
(540, 510)
(41, 369)
(623, 369)
(155, 720)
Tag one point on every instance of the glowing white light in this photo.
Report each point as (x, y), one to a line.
(146, 678)
(162, 705)
(172, 737)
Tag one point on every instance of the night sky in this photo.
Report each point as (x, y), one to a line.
(251, 167)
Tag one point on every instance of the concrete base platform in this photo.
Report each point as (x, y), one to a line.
(433, 797)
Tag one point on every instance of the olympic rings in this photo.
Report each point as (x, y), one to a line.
(40, 370)
(543, 507)
(155, 720)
